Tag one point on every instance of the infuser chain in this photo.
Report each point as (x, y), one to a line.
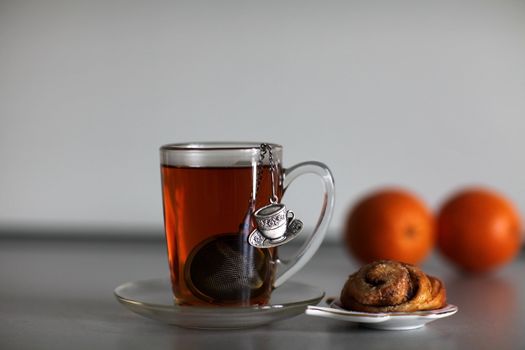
(274, 224)
(266, 148)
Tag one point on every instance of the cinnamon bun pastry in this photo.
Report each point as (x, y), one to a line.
(391, 286)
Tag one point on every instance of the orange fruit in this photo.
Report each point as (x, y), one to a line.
(478, 229)
(391, 224)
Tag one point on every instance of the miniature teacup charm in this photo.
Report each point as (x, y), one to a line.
(275, 224)
(272, 221)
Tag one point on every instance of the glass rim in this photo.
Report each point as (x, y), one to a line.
(217, 146)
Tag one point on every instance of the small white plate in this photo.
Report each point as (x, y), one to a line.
(392, 321)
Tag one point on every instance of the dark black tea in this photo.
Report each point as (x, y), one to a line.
(208, 217)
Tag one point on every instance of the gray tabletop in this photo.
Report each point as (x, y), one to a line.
(59, 295)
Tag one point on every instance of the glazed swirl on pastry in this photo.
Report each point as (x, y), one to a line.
(391, 286)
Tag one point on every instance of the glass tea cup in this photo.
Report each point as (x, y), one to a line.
(210, 195)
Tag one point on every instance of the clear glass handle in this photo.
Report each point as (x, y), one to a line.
(290, 266)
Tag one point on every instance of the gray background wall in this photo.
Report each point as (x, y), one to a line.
(424, 94)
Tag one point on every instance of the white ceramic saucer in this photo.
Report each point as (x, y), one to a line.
(388, 321)
(154, 299)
